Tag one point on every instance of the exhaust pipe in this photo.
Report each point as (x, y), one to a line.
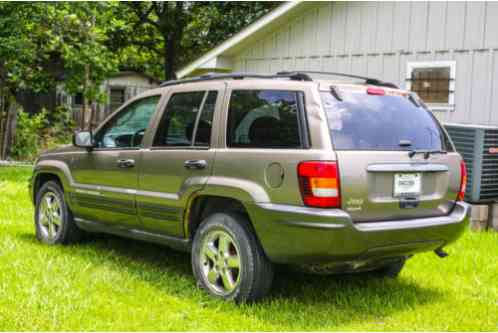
(441, 253)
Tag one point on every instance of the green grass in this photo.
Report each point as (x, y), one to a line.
(116, 284)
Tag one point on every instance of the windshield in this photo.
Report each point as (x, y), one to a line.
(360, 121)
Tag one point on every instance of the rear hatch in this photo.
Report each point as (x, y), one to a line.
(395, 160)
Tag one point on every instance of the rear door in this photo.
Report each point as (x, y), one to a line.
(373, 131)
(180, 157)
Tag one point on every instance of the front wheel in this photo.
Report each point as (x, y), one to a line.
(54, 221)
(228, 261)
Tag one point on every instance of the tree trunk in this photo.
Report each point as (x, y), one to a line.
(3, 122)
(171, 27)
(169, 57)
(93, 113)
(84, 116)
(12, 122)
(9, 130)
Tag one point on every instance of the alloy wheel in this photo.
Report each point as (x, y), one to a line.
(50, 215)
(220, 262)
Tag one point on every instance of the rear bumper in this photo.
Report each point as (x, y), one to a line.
(301, 235)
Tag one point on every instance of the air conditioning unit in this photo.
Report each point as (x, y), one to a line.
(478, 146)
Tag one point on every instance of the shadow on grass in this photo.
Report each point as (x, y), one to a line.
(328, 301)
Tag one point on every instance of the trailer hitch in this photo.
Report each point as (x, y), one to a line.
(441, 253)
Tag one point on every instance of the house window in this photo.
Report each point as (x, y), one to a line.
(434, 82)
(78, 99)
(117, 96)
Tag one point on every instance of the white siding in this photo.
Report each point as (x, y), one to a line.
(493, 119)
(491, 28)
(385, 31)
(418, 26)
(401, 26)
(474, 25)
(379, 38)
(455, 25)
(436, 32)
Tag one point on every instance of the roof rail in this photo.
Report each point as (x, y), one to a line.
(291, 75)
(368, 80)
(297, 76)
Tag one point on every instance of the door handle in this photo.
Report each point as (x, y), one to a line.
(195, 164)
(126, 163)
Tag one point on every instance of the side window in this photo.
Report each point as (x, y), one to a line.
(127, 128)
(187, 120)
(263, 119)
(203, 132)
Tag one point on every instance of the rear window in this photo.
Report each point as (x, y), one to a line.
(360, 121)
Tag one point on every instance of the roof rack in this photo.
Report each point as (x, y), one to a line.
(368, 80)
(291, 75)
(297, 76)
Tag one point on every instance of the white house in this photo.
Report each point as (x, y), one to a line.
(118, 87)
(446, 51)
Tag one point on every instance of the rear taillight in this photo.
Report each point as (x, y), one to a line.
(463, 181)
(319, 183)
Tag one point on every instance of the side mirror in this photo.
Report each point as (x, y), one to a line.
(83, 139)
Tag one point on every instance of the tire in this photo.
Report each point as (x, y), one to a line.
(391, 270)
(218, 242)
(55, 224)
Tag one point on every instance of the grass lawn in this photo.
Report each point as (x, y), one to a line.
(116, 284)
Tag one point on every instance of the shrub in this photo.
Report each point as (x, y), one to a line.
(28, 135)
(40, 132)
(60, 130)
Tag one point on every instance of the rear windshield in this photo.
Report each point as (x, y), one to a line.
(360, 121)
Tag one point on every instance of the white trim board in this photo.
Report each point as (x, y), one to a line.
(237, 38)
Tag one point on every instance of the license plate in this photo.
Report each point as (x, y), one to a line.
(407, 184)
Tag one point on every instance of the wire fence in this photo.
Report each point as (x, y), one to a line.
(4, 163)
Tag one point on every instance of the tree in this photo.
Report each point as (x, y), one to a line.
(78, 44)
(176, 32)
(20, 62)
(43, 44)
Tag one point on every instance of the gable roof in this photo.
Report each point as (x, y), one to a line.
(262, 25)
(132, 72)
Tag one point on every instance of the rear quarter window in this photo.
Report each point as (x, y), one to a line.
(263, 119)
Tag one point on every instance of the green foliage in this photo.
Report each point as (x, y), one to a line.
(60, 129)
(28, 139)
(214, 22)
(79, 44)
(42, 43)
(149, 31)
(80, 36)
(48, 42)
(35, 133)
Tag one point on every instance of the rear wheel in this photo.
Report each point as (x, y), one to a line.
(228, 261)
(54, 221)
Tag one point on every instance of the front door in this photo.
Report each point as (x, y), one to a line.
(106, 177)
(179, 160)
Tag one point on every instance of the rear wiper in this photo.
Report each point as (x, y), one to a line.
(427, 153)
(335, 93)
(414, 101)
